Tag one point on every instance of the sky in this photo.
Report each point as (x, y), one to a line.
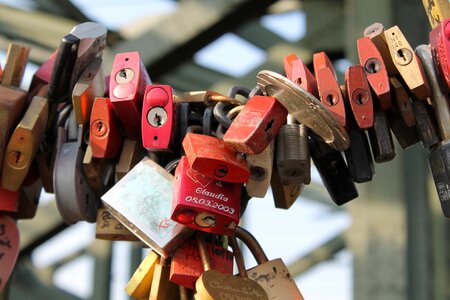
(288, 234)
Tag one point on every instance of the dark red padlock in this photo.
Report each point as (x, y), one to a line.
(214, 158)
(42, 76)
(158, 118)
(203, 203)
(375, 68)
(256, 125)
(440, 50)
(127, 84)
(297, 71)
(104, 134)
(359, 96)
(329, 91)
(186, 265)
(9, 201)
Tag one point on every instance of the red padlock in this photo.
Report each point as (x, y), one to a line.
(256, 125)
(375, 68)
(297, 71)
(203, 203)
(329, 91)
(129, 78)
(440, 50)
(105, 138)
(158, 118)
(9, 201)
(359, 96)
(186, 265)
(214, 158)
(42, 76)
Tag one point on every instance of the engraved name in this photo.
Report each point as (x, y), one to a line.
(202, 191)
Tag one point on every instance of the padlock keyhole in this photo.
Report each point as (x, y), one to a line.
(401, 54)
(158, 119)
(330, 99)
(269, 125)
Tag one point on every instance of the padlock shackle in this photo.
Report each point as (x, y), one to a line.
(200, 237)
(238, 256)
(252, 244)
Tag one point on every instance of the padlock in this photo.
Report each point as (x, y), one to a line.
(141, 282)
(440, 49)
(406, 136)
(437, 11)
(132, 153)
(186, 265)
(216, 285)
(292, 154)
(359, 97)
(375, 32)
(328, 87)
(297, 71)
(402, 102)
(202, 203)
(141, 201)
(98, 172)
(273, 276)
(9, 200)
(9, 248)
(425, 122)
(30, 193)
(375, 69)
(304, 107)
(129, 78)
(77, 50)
(358, 155)
(24, 144)
(284, 195)
(214, 158)
(438, 156)
(380, 136)
(104, 134)
(333, 171)
(107, 227)
(74, 197)
(407, 63)
(159, 118)
(43, 74)
(162, 288)
(260, 166)
(86, 89)
(16, 61)
(256, 125)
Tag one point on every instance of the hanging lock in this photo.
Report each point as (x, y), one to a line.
(161, 287)
(104, 134)
(74, 198)
(426, 122)
(437, 11)
(284, 195)
(304, 107)
(98, 172)
(9, 201)
(297, 72)
(380, 136)
(440, 49)
(29, 195)
(158, 118)
(260, 166)
(186, 266)
(9, 248)
(129, 78)
(333, 171)
(86, 89)
(140, 283)
(24, 144)
(359, 96)
(406, 136)
(202, 203)
(214, 158)
(16, 61)
(216, 285)
(402, 102)
(438, 157)
(256, 125)
(43, 75)
(141, 201)
(273, 276)
(375, 70)
(328, 87)
(376, 34)
(132, 153)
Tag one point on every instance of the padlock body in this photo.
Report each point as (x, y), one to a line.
(359, 96)
(104, 134)
(380, 136)
(203, 203)
(359, 158)
(330, 94)
(9, 201)
(256, 125)
(214, 158)
(158, 118)
(439, 161)
(440, 50)
(186, 266)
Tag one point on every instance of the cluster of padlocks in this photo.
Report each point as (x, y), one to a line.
(175, 171)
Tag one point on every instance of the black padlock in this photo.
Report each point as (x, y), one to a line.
(406, 136)
(425, 122)
(380, 136)
(333, 171)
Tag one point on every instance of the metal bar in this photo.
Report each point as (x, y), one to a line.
(62, 8)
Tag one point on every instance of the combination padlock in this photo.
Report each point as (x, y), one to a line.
(375, 69)
(186, 266)
(214, 158)
(159, 118)
(203, 203)
(104, 134)
(127, 84)
(256, 125)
